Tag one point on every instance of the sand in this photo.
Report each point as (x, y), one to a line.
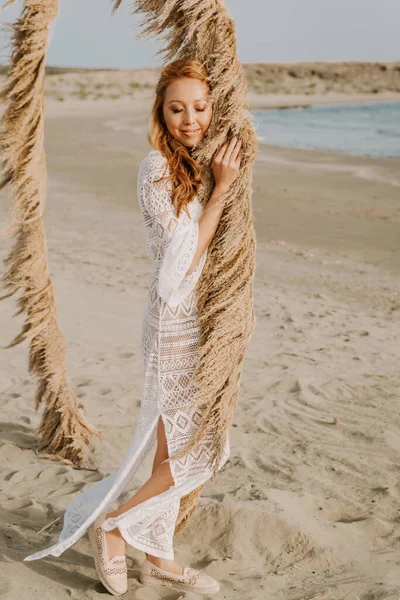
(305, 508)
(270, 85)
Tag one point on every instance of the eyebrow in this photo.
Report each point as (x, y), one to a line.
(198, 100)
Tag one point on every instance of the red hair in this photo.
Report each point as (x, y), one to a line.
(184, 169)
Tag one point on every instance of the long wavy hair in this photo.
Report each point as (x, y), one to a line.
(184, 171)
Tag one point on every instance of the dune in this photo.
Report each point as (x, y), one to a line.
(270, 85)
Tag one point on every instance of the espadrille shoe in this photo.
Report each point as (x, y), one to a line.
(112, 572)
(191, 579)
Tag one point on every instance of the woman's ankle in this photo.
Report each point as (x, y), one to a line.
(155, 559)
(112, 515)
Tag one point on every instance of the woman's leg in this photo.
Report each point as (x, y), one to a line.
(161, 479)
(162, 448)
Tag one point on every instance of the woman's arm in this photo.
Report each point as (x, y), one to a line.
(225, 167)
(179, 242)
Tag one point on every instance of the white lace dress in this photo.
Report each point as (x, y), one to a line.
(169, 349)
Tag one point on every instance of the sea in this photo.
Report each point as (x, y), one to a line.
(369, 129)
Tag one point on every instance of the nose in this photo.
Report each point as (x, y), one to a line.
(189, 117)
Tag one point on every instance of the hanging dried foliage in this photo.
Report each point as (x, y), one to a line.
(204, 30)
(63, 431)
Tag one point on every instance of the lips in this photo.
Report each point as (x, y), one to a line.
(190, 132)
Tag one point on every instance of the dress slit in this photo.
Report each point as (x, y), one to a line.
(171, 465)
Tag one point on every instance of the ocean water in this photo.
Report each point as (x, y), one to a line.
(371, 129)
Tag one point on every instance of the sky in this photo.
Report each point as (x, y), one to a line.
(86, 34)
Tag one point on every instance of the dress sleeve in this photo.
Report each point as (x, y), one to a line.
(173, 240)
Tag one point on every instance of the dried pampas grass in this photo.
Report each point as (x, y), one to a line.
(203, 29)
(63, 431)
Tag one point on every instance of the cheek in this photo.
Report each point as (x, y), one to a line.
(205, 119)
(171, 119)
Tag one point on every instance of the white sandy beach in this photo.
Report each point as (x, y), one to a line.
(304, 508)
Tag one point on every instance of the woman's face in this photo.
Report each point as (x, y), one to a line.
(187, 110)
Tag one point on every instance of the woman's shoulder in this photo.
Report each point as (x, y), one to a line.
(153, 164)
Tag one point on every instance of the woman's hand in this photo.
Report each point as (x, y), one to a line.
(226, 164)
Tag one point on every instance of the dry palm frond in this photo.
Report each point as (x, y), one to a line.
(63, 431)
(203, 29)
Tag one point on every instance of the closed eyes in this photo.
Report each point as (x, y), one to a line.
(178, 111)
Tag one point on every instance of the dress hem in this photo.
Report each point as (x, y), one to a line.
(139, 546)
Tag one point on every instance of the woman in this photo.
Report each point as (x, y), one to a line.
(179, 231)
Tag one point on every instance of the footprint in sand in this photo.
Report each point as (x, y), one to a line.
(84, 383)
(105, 391)
(16, 504)
(126, 355)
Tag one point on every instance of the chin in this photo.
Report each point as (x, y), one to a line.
(192, 143)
